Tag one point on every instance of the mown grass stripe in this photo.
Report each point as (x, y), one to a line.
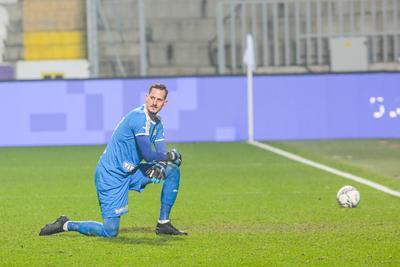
(326, 168)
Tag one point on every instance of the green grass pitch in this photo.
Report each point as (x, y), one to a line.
(241, 205)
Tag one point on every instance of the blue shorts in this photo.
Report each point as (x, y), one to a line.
(112, 190)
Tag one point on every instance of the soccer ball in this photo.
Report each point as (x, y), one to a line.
(348, 196)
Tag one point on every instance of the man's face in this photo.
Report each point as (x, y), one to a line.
(155, 100)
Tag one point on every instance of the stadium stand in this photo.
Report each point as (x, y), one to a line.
(13, 45)
(51, 34)
(6, 70)
(178, 34)
(181, 36)
(4, 21)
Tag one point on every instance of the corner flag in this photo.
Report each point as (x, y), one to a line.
(248, 57)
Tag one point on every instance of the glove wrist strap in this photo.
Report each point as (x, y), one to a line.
(170, 156)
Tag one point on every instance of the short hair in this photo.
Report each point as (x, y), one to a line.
(159, 86)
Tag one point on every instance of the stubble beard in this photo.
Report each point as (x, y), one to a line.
(151, 113)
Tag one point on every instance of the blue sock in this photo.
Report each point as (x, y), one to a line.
(109, 228)
(165, 210)
(169, 191)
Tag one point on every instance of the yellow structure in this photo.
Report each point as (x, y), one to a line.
(54, 29)
(54, 45)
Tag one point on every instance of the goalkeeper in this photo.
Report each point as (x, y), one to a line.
(120, 168)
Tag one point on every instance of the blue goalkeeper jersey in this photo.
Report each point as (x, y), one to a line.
(122, 153)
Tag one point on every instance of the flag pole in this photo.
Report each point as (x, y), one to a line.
(250, 108)
(249, 60)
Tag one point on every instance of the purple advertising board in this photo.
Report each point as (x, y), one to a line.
(286, 107)
(327, 106)
(6, 72)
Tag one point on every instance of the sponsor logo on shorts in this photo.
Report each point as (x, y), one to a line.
(121, 210)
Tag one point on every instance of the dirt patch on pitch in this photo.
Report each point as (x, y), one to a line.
(266, 228)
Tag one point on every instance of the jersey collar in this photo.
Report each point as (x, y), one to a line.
(147, 115)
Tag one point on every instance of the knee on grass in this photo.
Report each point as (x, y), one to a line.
(111, 227)
(111, 231)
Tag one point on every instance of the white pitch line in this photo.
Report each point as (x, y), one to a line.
(326, 168)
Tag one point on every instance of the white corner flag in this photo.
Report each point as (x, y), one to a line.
(249, 61)
(248, 57)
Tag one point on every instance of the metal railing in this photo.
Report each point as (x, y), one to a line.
(108, 23)
(297, 32)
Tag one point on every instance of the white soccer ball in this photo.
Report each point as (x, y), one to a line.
(348, 197)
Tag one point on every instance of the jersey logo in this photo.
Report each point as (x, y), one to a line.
(120, 210)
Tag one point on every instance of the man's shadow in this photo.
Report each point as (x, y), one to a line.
(156, 240)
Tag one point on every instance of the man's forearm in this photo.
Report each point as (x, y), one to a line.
(147, 153)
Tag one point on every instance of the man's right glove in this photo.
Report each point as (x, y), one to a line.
(157, 172)
(175, 157)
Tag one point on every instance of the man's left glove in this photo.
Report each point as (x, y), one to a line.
(175, 157)
(157, 172)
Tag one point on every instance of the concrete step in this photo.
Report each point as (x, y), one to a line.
(50, 15)
(119, 23)
(191, 55)
(128, 36)
(173, 71)
(211, 8)
(109, 68)
(384, 66)
(173, 9)
(124, 13)
(162, 8)
(13, 53)
(14, 38)
(15, 27)
(161, 54)
(14, 11)
(124, 50)
(177, 30)
(119, 8)
(188, 54)
(6, 2)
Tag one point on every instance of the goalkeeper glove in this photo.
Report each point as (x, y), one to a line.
(157, 172)
(175, 157)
